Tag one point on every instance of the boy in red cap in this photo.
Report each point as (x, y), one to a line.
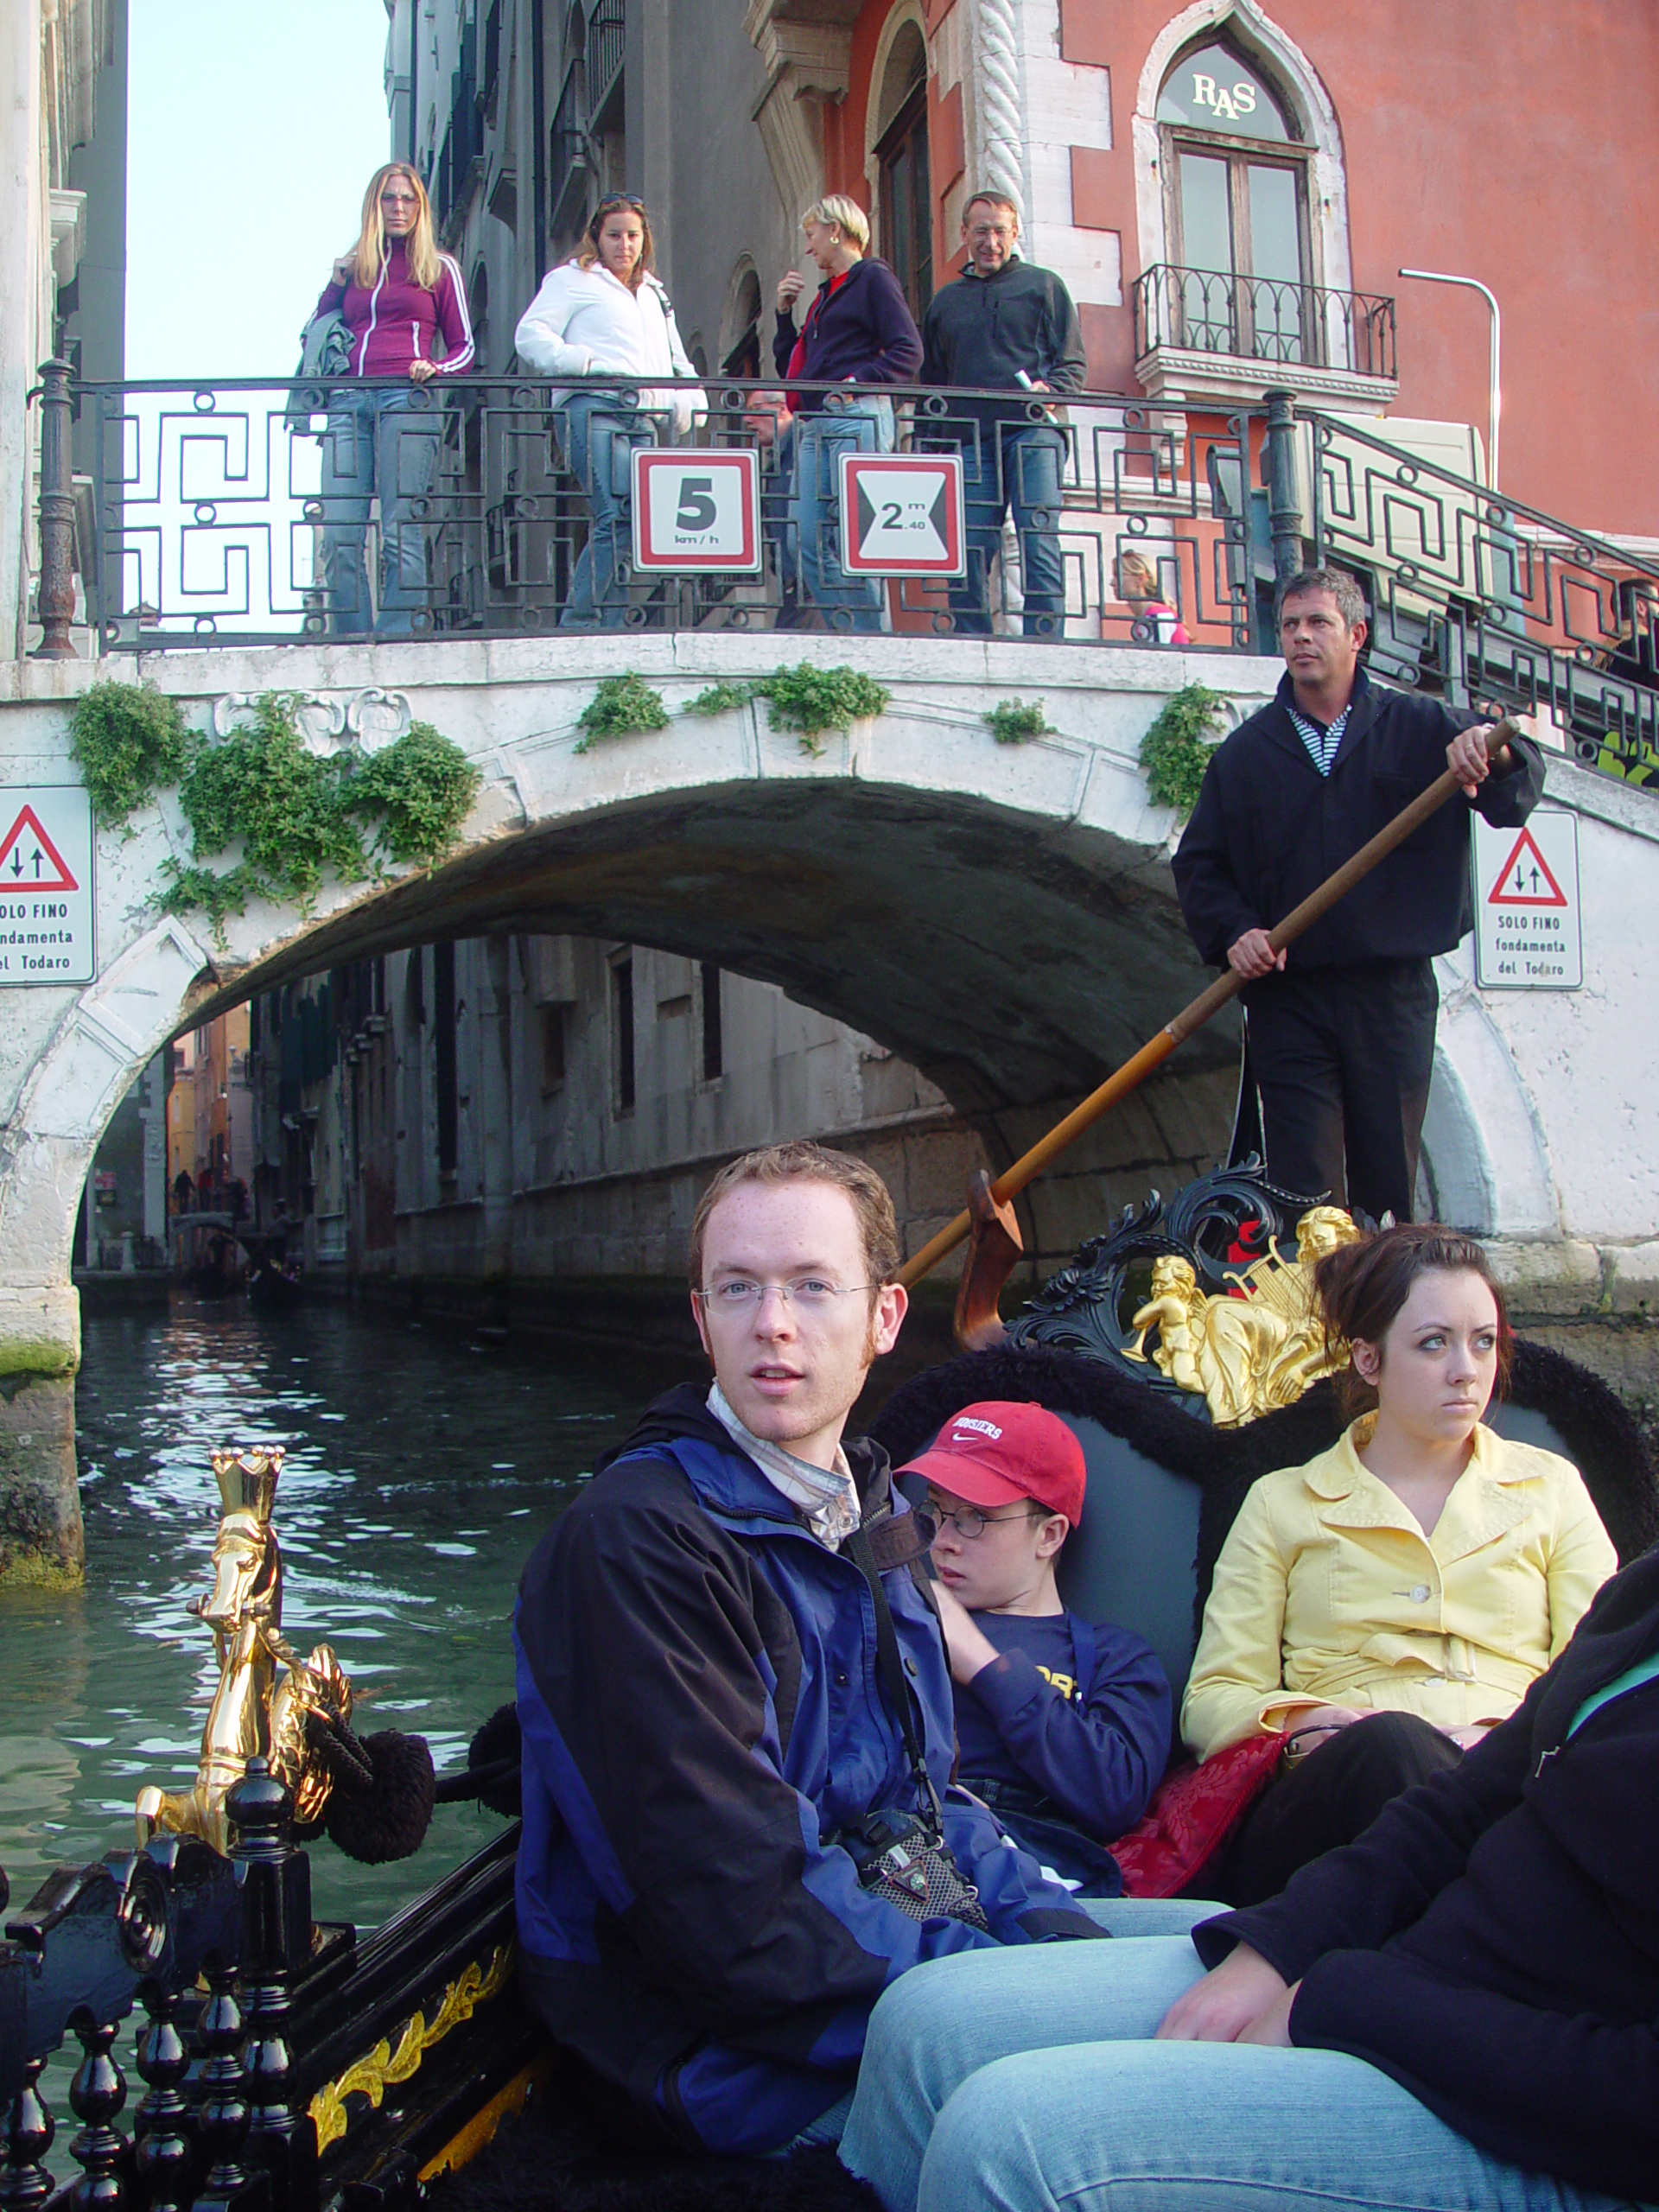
(1063, 1726)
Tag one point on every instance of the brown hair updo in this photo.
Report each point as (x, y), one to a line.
(1362, 1286)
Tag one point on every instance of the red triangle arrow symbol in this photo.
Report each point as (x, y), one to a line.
(1524, 879)
(30, 861)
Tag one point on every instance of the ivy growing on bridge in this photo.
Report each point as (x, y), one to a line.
(1175, 751)
(129, 740)
(621, 705)
(1013, 721)
(296, 815)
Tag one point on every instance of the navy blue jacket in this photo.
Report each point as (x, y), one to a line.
(863, 329)
(1096, 1746)
(1268, 828)
(700, 1702)
(1492, 1939)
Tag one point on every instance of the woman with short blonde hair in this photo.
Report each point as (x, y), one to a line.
(858, 331)
(397, 295)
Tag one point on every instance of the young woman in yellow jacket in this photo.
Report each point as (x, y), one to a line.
(1387, 1603)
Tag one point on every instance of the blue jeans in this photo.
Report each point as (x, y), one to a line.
(380, 441)
(1120, 1916)
(1029, 2079)
(1014, 466)
(855, 425)
(599, 431)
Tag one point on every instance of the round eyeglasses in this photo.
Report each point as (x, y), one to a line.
(969, 1521)
(810, 1294)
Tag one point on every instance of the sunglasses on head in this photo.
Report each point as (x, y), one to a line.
(619, 199)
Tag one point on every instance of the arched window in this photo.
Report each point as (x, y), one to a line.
(1236, 208)
(906, 194)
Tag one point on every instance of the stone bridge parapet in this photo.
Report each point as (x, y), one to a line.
(1000, 915)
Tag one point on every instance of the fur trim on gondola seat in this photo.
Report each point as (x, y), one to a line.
(1600, 1434)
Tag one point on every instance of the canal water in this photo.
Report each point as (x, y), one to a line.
(420, 1472)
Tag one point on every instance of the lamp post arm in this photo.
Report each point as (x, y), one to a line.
(1495, 396)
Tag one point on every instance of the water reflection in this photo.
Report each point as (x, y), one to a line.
(419, 1473)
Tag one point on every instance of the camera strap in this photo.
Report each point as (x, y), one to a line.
(892, 1666)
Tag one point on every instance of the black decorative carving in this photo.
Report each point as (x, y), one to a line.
(223, 2114)
(1221, 1223)
(96, 2096)
(275, 1939)
(25, 2139)
(163, 2152)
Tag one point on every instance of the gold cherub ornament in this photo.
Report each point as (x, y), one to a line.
(265, 1689)
(1251, 1353)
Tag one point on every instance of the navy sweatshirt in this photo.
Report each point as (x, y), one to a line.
(1081, 1714)
(862, 329)
(1491, 1942)
(1268, 828)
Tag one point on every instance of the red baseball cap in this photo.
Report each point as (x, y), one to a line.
(994, 1452)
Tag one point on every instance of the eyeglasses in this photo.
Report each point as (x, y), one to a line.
(810, 1294)
(969, 1521)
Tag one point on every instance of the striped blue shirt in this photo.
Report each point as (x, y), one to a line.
(1321, 744)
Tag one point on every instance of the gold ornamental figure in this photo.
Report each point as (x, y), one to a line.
(265, 1689)
(1249, 1351)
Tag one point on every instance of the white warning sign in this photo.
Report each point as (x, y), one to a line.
(46, 886)
(901, 515)
(695, 511)
(1529, 929)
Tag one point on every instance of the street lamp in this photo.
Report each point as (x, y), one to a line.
(1496, 401)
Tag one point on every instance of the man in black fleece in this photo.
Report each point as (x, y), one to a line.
(1006, 325)
(1461, 2009)
(1342, 1023)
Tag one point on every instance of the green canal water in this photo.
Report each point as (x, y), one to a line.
(420, 1472)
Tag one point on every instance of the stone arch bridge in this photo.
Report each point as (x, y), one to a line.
(1002, 916)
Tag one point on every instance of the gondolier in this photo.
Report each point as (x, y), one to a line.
(1341, 1025)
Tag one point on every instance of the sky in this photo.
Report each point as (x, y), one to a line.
(252, 131)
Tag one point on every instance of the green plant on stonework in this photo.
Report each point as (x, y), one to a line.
(1013, 721)
(719, 699)
(621, 705)
(811, 700)
(290, 809)
(297, 816)
(1176, 750)
(129, 740)
(412, 797)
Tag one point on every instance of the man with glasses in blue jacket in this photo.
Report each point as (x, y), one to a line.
(736, 1711)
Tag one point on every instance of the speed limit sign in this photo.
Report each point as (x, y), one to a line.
(695, 511)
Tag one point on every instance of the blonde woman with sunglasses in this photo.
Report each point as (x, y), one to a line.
(400, 297)
(604, 313)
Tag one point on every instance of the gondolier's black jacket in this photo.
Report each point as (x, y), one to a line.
(1268, 828)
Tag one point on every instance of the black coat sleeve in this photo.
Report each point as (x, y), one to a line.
(783, 342)
(1215, 907)
(896, 342)
(1356, 1897)
(1506, 801)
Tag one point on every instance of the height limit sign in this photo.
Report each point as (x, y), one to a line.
(1528, 931)
(46, 885)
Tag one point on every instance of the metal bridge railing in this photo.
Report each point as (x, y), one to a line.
(215, 515)
(227, 513)
(1477, 595)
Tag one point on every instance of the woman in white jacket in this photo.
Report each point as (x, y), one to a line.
(604, 313)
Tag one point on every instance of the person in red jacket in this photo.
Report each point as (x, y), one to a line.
(399, 296)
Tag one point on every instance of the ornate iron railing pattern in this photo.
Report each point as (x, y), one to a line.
(1264, 318)
(1479, 595)
(213, 519)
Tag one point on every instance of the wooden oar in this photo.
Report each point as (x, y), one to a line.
(1158, 1049)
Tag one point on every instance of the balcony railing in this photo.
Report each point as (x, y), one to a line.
(1264, 318)
(606, 44)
